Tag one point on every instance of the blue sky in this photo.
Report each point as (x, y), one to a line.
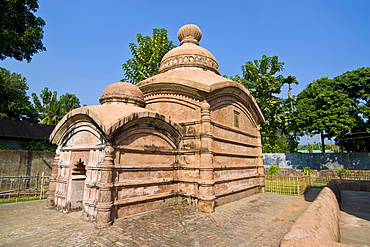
(87, 40)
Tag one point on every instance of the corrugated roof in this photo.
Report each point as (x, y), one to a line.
(24, 130)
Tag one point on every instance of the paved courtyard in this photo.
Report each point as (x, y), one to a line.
(258, 220)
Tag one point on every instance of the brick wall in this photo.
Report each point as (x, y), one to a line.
(23, 162)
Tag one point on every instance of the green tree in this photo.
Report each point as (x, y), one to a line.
(69, 102)
(21, 31)
(324, 109)
(290, 80)
(261, 78)
(50, 108)
(356, 84)
(14, 102)
(147, 55)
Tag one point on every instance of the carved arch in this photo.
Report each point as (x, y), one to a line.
(166, 128)
(74, 126)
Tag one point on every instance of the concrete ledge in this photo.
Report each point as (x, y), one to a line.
(319, 224)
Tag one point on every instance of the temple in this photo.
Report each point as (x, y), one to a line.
(184, 136)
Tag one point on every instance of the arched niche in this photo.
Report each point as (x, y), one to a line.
(81, 142)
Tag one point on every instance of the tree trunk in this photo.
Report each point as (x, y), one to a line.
(322, 142)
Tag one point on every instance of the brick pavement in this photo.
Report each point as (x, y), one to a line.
(258, 220)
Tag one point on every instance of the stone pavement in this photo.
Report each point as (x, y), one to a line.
(355, 218)
(258, 220)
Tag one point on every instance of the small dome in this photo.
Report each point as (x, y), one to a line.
(189, 54)
(122, 93)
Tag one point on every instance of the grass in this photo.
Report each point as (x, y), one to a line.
(23, 188)
(21, 199)
(319, 183)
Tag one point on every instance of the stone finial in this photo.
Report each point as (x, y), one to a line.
(205, 106)
(189, 54)
(189, 33)
(108, 149)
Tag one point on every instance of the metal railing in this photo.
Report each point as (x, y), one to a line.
(23, 188)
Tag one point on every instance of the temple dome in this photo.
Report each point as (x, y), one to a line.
(189, 54)
(122, 93)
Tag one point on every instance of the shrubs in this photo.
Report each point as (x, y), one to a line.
(341, 172)
(306, 170)
(4, 146)
(273, 170)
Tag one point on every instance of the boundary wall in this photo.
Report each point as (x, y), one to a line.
(22, 162)
(318, 161)
(25, 163)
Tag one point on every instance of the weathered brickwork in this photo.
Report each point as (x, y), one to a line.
(185, 136)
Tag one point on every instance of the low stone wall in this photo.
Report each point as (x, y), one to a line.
(319, 224)
(318, 161)
(23, 162)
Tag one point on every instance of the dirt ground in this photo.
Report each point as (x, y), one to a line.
(258, 220)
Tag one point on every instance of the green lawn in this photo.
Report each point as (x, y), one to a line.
(21, 199)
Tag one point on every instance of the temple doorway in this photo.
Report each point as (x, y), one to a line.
(77, 186)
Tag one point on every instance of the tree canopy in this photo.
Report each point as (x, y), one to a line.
(356, 84)
(323, 109)
(338, 108)
(261, 78)
(146, 55)
(50, 108)
(21, 31)
(14, 102)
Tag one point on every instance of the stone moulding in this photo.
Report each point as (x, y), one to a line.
(144, 150)
(234, 191)
(227, 140)
(235, 154)
(223, 180)
(225, 127)
(134, 183)
(196, 61)
(141, 199)
(116, 98)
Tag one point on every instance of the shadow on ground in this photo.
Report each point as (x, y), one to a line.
(258, 220)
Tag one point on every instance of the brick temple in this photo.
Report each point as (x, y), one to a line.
(185, 136)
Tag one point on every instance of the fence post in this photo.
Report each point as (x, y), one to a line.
(42, 185)
(298, 187)
(37, 184)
